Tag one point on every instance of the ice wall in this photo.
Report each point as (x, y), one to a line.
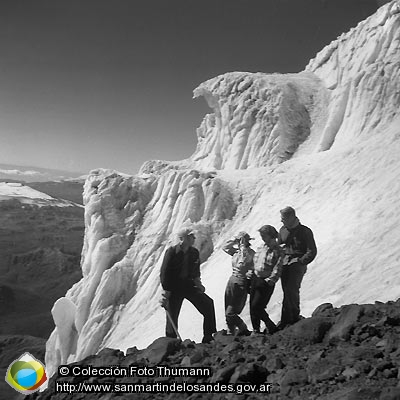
(325, 140)
(361, 71)
(129, 221)
(258, 119)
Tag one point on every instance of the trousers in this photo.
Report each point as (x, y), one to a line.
(291, 278)
(260, 294)
(235, 300)
(203, 303)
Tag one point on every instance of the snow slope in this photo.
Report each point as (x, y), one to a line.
(325, 140)
(27, 195)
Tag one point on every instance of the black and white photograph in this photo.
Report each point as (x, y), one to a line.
(200, 199)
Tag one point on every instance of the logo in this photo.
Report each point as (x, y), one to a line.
(26, 375)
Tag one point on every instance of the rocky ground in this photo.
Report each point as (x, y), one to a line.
(40, 249)
(346, 353)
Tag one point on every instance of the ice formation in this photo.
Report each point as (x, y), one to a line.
(325, 140)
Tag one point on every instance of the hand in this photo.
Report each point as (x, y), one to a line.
(199, 285)
(164, 301)
(201, 288)
(270, 282)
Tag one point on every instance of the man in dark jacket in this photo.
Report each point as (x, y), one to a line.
(180, 279)
(299, 247)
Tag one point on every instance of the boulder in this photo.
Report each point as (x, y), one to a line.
(309, 330)
(345, 322)
(160, 349)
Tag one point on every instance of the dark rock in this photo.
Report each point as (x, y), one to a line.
(239, 358)
(295, 376)
(352, 394)
(110, 353)
(189, 344)
(390, 373)
(345, 322)
(198, 355)
(262, 357)
(251, 373)
(322, 370)
(274, 363)
(309, 330)
(323, 310)
(393, 317)
(390, 393)
(160, 349)
(363, 366)
(223, 375)
(232, 347)
(132, 350)
(223, 338)
(385, 364)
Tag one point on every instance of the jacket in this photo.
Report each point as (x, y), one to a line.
(179, 269)
(298, 244)
(268, 262)
(242, 259)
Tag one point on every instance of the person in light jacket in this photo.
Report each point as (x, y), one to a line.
(267, 271)
(238, 284)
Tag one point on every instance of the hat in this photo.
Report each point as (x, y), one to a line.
(184, 232)
(288, 211)
(268, 230)
(244, 235)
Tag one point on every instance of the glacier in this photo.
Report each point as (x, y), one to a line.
(325, 140)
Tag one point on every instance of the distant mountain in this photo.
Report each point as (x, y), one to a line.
(62, 185)
(20, 173)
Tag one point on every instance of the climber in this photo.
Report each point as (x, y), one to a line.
(239, 283)
(180, 279)
(267, 270)
(297, 242)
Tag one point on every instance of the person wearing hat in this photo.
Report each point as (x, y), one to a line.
(299, 247)
(267, 270)
(238, 284)
(180, 279)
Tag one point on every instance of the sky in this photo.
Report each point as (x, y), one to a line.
(94, 83)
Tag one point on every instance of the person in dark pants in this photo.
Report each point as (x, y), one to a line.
(180, 279)
(267, 270)
(239, 282)
(298, 244)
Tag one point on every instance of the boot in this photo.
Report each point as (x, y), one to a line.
(243, 331)
(272, 328)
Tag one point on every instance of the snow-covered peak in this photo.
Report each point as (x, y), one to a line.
(361, 71)
(325, 141)
(264, 119)
(258, 119)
